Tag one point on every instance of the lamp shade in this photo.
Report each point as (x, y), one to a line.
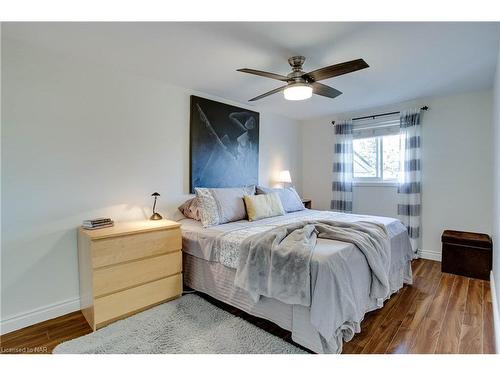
(298, 92)
(284, 176)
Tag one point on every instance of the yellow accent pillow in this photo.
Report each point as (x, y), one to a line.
(262, 206)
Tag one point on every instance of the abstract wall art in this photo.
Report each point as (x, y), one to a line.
(224, 145)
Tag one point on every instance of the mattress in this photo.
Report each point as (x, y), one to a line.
(212, 256)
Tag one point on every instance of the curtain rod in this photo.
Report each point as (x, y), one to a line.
(424, 108)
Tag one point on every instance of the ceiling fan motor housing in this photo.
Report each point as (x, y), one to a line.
(296, 62)
(296, 76)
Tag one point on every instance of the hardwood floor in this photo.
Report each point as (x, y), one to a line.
(439, 313)
(43, 337)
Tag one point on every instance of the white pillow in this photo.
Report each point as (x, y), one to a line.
(289, 197)
(222, 205)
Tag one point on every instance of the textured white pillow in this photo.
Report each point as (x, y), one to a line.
(222, 205)
(208, 206)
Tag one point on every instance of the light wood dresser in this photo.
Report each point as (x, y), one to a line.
(128, 268)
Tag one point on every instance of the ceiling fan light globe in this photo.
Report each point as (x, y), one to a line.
(298, 92)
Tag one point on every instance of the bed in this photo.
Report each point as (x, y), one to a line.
(336, 309)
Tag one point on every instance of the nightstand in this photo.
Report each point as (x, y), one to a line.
(307, 203)
(128, 268)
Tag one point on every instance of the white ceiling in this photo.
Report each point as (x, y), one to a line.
(407, 60)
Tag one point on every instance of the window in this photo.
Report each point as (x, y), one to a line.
(376, 152)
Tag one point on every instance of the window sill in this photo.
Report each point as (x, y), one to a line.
(374, 184)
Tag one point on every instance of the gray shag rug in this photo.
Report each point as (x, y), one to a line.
(188, 325)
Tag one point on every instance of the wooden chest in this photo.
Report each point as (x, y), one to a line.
(467, 254)
(128, 268)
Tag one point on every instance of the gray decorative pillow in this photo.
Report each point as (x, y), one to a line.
(191, 209)
(222, 205)
(289, 197)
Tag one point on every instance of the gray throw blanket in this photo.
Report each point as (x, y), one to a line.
(276, 263)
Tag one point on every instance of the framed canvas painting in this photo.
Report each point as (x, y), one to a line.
(224, 145)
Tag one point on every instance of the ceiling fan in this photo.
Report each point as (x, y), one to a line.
(301, 85)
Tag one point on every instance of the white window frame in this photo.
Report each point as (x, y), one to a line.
(376, 128)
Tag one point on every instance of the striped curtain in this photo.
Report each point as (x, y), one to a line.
(342, 168)
(409, 186)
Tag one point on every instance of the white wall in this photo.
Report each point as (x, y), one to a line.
(82, 141)
(457, 164)
(496, 205)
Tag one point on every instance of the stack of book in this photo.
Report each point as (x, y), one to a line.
(97, 223)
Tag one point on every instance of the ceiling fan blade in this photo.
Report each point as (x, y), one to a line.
(268, 93)
(324, 90)
(279, 77)
(336, 70)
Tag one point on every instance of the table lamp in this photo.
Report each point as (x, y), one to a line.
(156, 215)
(285, 178)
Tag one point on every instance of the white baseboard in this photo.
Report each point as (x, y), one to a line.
(26, 319)
(429, 254)
(496, 313)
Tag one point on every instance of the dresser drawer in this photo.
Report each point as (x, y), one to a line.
(124, 303)
(125, 275)
(114, 250)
